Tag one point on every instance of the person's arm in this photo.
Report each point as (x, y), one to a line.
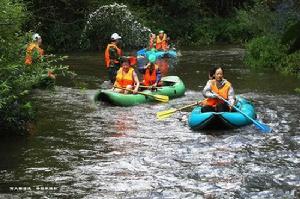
(137, 82)
(207, 93)
(231, 97)
(158, 77)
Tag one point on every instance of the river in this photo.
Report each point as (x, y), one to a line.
(85, 149)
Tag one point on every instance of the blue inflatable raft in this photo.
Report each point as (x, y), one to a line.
(222, 120)
(159, 54)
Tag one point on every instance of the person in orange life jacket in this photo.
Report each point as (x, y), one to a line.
(126, 78)
(152, 75)
(151, 40)
(34, 53)
(112, 56)
(221, 87)
(161, 41)
(211, 76)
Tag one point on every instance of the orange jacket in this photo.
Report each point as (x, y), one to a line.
(106, 54)
(150, 78)
(30, 50)
(161, 44)
(124, 79)
(223, 92)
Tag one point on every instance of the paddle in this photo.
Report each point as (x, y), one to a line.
(261, 126)
(161, 98)
(149, 86)
(165, 114)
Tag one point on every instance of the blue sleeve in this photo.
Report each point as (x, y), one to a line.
(158, 76)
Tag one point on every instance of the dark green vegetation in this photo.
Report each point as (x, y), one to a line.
(16, 79)
(265, 26)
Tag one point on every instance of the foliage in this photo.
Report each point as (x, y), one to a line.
(112, 18)
(291, 63)
(292, 37)
(267, 52)
(271, 46)
(16, 79)
(264, 52)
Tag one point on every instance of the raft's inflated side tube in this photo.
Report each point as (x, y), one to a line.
(172, 87)
(222, 120)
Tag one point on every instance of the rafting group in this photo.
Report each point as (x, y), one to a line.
(220, 108)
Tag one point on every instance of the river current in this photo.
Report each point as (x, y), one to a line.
(85, 149)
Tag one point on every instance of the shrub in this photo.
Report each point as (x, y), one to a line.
(265, 52)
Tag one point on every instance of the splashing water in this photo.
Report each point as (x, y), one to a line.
(114, 18)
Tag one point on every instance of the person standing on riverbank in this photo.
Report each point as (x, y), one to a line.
(214, 87)
(112, 56)
(35, 54)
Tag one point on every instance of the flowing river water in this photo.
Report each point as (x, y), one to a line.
(83, 149)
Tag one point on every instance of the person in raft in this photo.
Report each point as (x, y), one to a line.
(34, 53)
(214, 87)
(126, 78)
(151, 73)
(112, 56)
(152, 37)
(161, 41)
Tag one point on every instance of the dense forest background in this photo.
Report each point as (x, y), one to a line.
(268, 29)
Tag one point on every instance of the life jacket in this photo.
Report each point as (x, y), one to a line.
(161, 44)
(223, 92)
(30, 50)
(151, 42)
(106, 54)
(150, 78)
(124, 79)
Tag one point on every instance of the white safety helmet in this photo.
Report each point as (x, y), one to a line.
(35, 36)
(115, 36)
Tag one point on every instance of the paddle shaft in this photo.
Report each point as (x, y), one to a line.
(168, 113)
(162, 98)
(244, 114)
(187, 106)
(132, 91)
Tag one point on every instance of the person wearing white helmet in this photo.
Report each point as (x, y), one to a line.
(112, 56)
(35, 54)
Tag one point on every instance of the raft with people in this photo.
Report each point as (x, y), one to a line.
(199, 120)
(172, 86)
(162, 59)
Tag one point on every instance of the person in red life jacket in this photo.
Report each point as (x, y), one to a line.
(126, 78)
(35, 54)
(152, 75)
(112, 56)
(161, 41)
(214, 87)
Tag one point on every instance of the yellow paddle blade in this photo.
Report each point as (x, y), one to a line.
(161, 98)
(165, 114)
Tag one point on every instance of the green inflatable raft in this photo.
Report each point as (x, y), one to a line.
(172, 87)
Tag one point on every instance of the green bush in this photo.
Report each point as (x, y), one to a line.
(291, 64)
(265, 52)
(17, 79)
